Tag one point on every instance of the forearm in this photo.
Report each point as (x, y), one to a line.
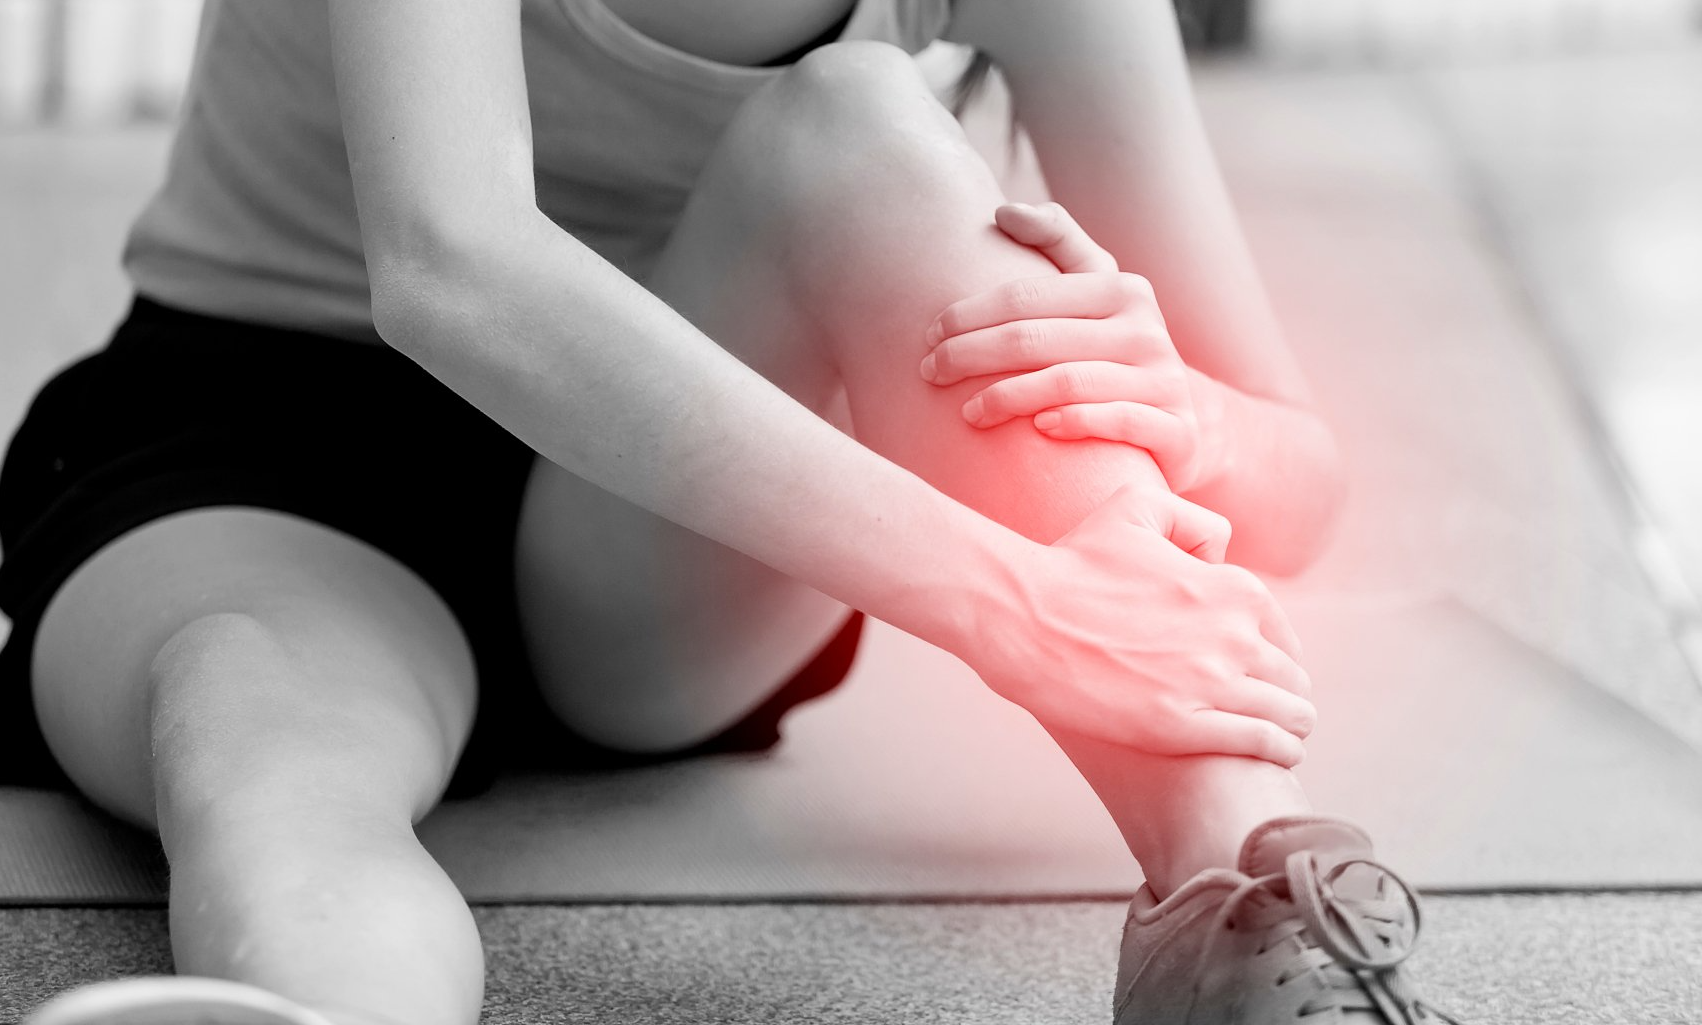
(1103, 88)
(1272, 469)
(602, 378)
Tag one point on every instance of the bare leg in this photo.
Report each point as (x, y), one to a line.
(857, 212)
(281, 702)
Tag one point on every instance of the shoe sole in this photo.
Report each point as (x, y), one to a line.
(171, 1001)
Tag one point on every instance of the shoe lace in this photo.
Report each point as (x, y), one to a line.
(1351, 948)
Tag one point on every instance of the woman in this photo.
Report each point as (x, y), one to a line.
(682, 253)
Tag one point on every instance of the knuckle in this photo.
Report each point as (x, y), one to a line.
(1030, 340)
(995, 399)
(1216, 670)
(1275, 744)
(1022, 296)
(1130, 420)
(1168, 715)
(1242, 585)
(1076, 380)
(1133, 287)
(1245, 647)
(1194, 589)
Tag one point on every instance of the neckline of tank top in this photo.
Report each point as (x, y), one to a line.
(637, 50)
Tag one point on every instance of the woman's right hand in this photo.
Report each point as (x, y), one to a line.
(1115, 632)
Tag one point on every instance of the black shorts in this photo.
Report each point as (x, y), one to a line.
(183, 411)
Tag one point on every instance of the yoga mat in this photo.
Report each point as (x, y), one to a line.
(1481, 576)
(1475, 761)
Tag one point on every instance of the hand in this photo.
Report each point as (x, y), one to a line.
(1117, 633)
(1100, 361)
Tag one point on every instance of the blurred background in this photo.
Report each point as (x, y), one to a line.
(1481, 221)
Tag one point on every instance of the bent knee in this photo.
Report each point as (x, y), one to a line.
(856, 105)
(206, 639)
(853, 68)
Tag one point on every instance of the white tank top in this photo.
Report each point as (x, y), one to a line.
(256, 219)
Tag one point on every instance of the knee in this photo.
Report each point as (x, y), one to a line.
(200, 754)
(851, 75)
(855, 111)
(241, 721)
(205, 639)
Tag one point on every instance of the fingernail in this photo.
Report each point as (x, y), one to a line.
(972, 410)
(936, 334)
(929, 371)
(1048, 420)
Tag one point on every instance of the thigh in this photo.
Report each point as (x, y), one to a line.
(381, 647)
(646, 636)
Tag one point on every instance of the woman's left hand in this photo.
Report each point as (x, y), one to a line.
(1089, 351)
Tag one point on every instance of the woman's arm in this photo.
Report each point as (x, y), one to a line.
(1102, 87)
(471, 280)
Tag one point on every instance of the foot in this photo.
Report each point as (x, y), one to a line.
(171, 1000)
(1309, 929)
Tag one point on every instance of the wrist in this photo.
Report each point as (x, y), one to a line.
(972, 579)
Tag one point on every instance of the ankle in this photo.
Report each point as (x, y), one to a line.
(1201, 817)
(1170, 865)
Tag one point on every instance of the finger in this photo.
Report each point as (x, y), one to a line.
(1197, 530)
(1092, 381)
(1214, 731)
(1274, 665)
(1079, 296)
(1133, 423)
(1131, 504)
(1274, 624)
(1263, 700)
(1050, 229)
(1116, 420)
(1035, 345)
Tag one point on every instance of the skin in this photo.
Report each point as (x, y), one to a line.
(686, 422)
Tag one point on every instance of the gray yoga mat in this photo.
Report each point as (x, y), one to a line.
(1458, 726)
(1475, 761)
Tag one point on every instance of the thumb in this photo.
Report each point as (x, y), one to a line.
(1198, 531)
(1132, 505)
(1050, 229)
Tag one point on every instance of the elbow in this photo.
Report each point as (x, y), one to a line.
(429, 279)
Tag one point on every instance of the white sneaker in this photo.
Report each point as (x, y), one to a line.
(171, 1000)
